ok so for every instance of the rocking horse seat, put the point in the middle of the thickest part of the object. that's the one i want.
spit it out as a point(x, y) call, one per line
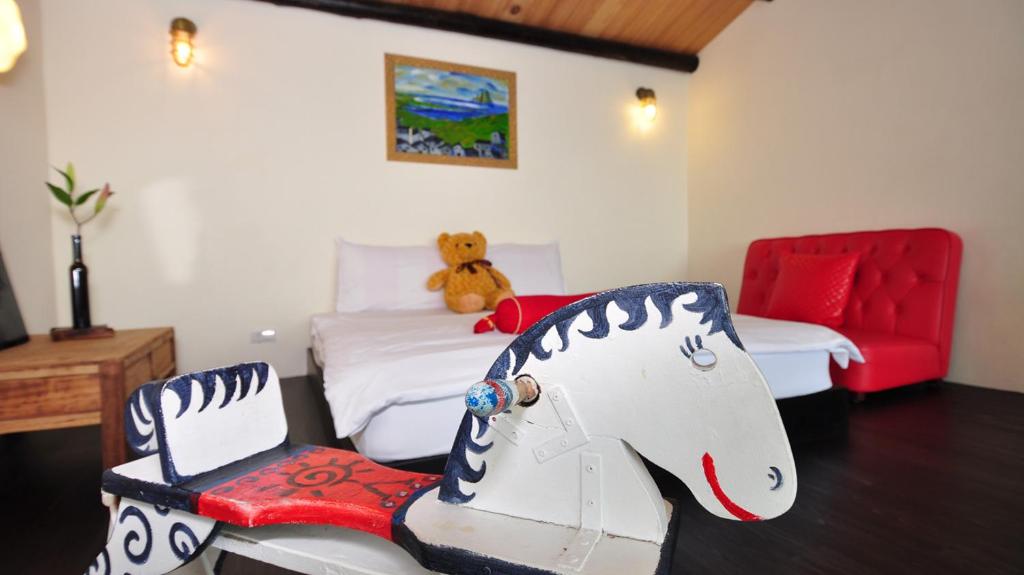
point(300, 484)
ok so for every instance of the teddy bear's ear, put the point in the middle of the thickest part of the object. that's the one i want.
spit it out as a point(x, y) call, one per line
point(442, 239)
point(479, 237)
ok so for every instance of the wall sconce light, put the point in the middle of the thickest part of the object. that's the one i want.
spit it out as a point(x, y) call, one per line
point(648, 103)
point(12, 35)
point(182, 32)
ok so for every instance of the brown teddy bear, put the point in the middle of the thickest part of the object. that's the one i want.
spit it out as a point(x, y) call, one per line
point(470, 282)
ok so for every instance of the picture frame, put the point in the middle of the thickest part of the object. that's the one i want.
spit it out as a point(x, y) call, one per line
point(446, 113)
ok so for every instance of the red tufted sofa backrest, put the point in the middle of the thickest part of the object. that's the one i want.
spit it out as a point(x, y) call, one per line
point(905, 283)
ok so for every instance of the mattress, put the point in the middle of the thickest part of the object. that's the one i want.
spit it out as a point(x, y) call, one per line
point(395, 380)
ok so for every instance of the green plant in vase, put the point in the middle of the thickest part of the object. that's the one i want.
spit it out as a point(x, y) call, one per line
point(76, 204)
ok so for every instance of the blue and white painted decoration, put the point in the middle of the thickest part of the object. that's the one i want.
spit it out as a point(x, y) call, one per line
point(492, 396)
point(550, 485)
point(147, 538)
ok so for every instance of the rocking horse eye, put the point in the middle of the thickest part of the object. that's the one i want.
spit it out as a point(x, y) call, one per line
point(704, 359)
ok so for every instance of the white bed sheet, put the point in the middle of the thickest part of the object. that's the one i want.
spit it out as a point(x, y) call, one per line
point(395, 380)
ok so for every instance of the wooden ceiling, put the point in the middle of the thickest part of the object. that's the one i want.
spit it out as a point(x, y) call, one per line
point(663, 33)
point(674, 25)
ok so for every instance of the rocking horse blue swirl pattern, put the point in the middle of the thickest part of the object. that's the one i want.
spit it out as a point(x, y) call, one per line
point(183, 541)
point(142, 536)
point(151, 539)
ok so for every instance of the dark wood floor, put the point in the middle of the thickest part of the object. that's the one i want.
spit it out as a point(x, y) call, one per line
point(929, 480)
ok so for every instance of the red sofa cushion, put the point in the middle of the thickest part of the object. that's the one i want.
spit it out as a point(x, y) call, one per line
point(905, 285)
point(812, 288)
point(889, 361)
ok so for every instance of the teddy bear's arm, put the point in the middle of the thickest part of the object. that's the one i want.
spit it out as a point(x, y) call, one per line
point(437, 279)
point(500, 279)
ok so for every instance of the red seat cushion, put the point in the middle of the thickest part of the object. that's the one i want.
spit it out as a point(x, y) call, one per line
point(314, 485)
point(812, 288)
point(889, 361)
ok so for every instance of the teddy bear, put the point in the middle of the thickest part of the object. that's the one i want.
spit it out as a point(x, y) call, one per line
point(470, 282)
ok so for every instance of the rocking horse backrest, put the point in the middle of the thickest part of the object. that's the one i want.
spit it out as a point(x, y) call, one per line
point(200, 421)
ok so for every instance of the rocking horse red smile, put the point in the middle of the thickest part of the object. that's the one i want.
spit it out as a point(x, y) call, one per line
point(738, 512)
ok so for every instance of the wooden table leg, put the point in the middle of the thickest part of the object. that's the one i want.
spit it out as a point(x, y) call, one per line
point(112, 397)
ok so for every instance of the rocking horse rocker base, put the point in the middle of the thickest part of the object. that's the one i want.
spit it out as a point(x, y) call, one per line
point(535, 485)
point(493, 543)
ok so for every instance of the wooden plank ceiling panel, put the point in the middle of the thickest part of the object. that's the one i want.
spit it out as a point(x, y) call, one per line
point(674, 25)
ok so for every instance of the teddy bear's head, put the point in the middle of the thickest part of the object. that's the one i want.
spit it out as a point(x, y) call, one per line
point(461, 248)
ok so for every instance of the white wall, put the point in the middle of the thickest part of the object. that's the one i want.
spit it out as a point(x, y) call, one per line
point(24, 201)
point(809, 116)
point(235, 176)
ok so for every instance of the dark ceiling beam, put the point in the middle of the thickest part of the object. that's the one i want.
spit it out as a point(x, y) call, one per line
point(499, 30)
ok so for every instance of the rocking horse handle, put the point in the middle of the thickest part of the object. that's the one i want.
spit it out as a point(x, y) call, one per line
point(493, 396)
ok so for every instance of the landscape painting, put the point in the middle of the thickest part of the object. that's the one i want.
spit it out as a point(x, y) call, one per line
point(444, 113)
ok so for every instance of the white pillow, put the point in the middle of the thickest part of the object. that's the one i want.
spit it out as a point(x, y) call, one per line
point(534, 269)
point(386, 278)
point(395, 278)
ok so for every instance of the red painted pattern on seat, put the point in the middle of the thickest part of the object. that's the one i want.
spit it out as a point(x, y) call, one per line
point(315, 486)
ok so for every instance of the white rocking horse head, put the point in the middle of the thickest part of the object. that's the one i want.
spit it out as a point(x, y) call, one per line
point(660, 368)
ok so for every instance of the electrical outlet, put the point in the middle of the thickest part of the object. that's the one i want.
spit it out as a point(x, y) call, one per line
point(264, 336)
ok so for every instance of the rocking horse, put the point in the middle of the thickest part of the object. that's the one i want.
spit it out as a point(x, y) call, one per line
point(544, 475)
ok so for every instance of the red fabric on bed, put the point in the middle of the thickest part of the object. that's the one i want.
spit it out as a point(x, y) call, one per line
point(813, 288)
point(517, 314)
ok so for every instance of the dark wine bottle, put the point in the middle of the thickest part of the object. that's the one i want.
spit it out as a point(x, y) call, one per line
point(79, 287)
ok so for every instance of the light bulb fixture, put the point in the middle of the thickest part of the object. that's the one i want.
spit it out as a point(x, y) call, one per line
point(182, 32)
point(12, 35)
point(648, 103)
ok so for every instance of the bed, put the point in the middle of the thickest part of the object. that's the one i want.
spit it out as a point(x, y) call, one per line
point(395, 379)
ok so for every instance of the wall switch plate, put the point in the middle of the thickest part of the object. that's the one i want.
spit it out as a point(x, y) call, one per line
point(263, 336)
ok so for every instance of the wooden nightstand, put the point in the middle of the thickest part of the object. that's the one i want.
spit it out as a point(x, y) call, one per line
point(46, 384)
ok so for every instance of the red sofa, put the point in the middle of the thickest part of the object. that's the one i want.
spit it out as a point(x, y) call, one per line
point(901, 310)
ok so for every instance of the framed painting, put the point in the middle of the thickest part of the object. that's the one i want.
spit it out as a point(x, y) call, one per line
point(444, 113)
